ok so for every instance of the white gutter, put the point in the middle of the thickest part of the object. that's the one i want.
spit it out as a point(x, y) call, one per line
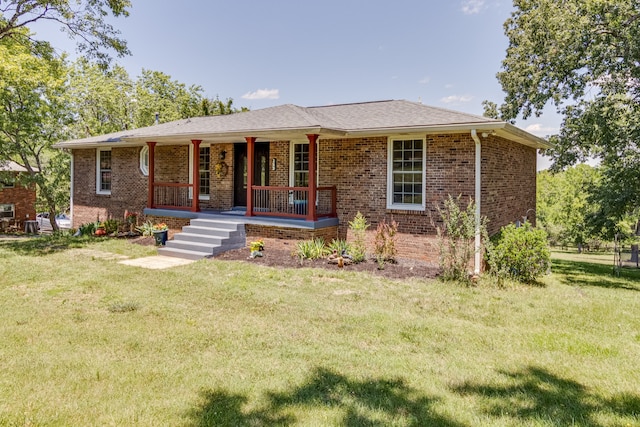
point(478, 173)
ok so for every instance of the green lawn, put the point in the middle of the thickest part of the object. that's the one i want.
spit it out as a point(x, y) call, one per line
point(86, 341)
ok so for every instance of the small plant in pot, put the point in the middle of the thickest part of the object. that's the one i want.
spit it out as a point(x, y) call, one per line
point(160, 233)
point(256, 248)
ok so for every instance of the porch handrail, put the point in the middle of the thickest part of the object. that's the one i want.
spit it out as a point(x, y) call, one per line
point(177, 198)
point(292, 201)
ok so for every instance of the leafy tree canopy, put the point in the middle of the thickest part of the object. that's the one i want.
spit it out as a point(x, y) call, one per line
point(82, 20)
point(33, 116)
point(583, 56)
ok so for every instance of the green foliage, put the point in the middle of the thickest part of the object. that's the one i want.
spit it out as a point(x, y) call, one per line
point(146, 228)
point(581, 56)
point(358, 229)
point(311, 249)
point(456, 238)
point(84, 20)
point(33, 116)
point(339, 246)
point(563, 207)
point(385, 242)
point(520, 253)
point(111, 225)
point(87, 229)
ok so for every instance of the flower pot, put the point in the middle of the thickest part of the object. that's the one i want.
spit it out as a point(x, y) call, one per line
point(161, 237)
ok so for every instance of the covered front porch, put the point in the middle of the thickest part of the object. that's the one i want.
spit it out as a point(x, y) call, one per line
point(308, 203)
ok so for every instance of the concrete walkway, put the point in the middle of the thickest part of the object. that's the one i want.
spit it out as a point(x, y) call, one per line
point(157, 262)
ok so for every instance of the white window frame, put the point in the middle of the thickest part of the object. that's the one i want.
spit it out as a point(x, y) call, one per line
point(200, 196)
point(99, 189)
point(292, 161)
point(405, 206)
point(7, 207)
point(144, 160)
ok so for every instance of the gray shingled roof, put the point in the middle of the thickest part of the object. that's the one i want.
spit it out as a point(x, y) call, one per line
point(11, 166)
point(286, 120)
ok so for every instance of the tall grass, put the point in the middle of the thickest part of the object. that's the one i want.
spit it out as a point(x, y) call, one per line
point(88, 341)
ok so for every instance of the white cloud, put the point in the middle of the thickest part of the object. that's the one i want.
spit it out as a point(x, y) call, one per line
point(540, 130)
point(262, 94)
point(472, 7)
point(424, 80)
point(448, 86)
point(456, 99)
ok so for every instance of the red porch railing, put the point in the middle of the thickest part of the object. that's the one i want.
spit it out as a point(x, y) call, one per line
point(292, 201)
point(171, 195)
point(267, 201)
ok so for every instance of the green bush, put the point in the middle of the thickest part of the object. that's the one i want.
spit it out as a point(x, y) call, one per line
point(339, 246)
point(311, 249)
point(520, 253)
point(359, 229)
point(111, 226)
point(456, 238)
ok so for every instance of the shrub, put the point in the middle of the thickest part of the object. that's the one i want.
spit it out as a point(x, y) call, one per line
point(456, 238)
point(339, 246)
point(311, 249)
point(87, 229)
point(359, 228)
point(520, 253)
point(146, 228)
point(385, 242)
point(111, 226)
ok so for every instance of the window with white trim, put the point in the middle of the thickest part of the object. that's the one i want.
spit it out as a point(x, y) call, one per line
point(300, 164)
point(103, 171)
point(406, 173)
point(205, 170)
point(204, 180)
point(144, 160)
point(7, 211)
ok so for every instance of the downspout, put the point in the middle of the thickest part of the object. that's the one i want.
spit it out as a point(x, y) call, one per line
point(71, 190)
point(478, 180)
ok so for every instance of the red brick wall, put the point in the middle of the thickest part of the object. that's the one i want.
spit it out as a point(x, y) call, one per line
point(508, 182)
point(24, 199)
point(128, 186)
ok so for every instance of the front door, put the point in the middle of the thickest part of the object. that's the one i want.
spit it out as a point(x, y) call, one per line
point(260, 170)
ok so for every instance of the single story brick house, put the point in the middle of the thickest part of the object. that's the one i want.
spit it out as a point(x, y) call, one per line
point(17, 201)
point(299, 172)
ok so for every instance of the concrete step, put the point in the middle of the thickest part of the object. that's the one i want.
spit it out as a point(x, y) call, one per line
point(215, 223)
point(205, 238)
point(199, 238)
point(182, 253)
point(191, 246)
point(209, 231)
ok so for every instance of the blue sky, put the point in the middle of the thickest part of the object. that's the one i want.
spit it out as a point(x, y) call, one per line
point(264, 53)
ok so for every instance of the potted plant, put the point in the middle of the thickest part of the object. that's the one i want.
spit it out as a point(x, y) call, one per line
point(160, 233)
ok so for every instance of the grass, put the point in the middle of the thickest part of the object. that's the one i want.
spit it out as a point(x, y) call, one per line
point(87, 341)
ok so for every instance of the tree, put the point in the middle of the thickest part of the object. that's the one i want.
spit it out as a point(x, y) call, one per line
point(102, 100)
point(33, 116)
point(82, 20)
point(583, 56)
point(563, 205)
point(156, 92)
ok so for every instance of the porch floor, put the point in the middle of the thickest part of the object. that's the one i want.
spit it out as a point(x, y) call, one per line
point(238, 215)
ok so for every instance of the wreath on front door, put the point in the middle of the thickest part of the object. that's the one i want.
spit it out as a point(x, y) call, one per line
point(221, 169)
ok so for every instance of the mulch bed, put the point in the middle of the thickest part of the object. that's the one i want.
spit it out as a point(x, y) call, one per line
point(277, 253)
point(402, 269)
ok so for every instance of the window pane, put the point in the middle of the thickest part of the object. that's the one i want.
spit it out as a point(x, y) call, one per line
point(205, 170)
point(407, 171)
